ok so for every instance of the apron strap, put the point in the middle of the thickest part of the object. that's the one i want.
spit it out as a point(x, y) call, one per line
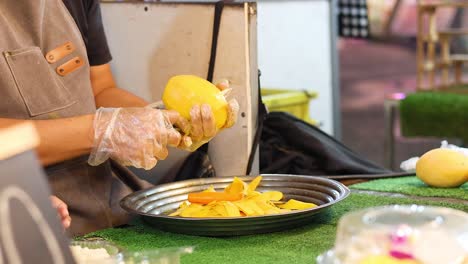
point(219, 6)
point(262, 113)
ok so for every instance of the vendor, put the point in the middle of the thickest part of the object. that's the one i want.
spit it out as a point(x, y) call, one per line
point(54, 70)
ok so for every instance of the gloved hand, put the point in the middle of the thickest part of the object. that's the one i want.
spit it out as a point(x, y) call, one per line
point(136, 137)
point(202, 122)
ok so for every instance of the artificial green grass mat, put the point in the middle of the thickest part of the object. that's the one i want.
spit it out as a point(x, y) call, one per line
point(412, 186)
point(299, 245)
point(435, 114)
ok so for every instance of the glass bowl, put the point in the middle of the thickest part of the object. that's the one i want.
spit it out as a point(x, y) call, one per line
point(400, 234)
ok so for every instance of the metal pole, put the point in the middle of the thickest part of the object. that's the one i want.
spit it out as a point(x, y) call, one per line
point(335, 76)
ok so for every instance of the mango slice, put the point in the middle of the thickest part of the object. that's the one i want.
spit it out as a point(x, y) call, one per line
point(237, 186)
point(272, 196)
point(221, 210)
point(231, 209)
point(296, 205)
point(245, 208)
point(210, 189)
point(268, 208)
point(191, 209)
point(181, 208)
point(253, 184)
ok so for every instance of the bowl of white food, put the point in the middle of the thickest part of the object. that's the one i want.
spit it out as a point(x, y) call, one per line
point(95, 251)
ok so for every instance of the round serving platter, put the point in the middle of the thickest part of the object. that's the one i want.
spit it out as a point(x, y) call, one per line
point(154, 204)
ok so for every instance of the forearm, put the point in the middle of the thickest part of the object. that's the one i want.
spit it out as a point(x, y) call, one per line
point(61, 139)
point(116, 97)
point(106, 93)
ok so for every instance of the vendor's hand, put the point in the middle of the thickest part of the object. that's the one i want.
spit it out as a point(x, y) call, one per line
point(62, 211)
point(202, 122)
point(136, 137)
point(233, 105)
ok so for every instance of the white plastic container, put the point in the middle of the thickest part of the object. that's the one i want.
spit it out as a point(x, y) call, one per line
point(401, 234)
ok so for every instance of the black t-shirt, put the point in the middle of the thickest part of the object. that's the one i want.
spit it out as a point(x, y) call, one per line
point(87, 15)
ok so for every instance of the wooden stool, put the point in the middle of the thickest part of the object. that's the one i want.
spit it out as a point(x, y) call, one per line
point(429, 64)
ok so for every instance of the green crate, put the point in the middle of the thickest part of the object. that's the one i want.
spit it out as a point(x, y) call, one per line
point(293, 102)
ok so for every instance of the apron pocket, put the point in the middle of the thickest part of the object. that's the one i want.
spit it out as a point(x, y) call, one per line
point(37, 83)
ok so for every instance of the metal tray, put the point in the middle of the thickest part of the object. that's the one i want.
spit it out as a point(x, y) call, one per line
point(153, 205)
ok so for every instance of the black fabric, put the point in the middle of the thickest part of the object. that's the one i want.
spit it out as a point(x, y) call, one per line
point(87, 15)
point(197, 165)
point(291, 146)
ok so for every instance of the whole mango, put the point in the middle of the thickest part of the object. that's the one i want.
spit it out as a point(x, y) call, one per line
point(443, 168)
point(182, 92)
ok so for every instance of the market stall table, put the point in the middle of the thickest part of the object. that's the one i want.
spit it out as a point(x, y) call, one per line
point(299, 245)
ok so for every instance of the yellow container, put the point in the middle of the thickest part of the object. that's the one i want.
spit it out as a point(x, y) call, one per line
point(293, 102)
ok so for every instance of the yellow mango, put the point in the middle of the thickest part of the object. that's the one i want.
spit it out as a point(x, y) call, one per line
point(272, 195)
point(443, 168)
point(237, 186)
point(231, 209)
point(253, 184)
point(296, 205)
point(182, 206)
point(221, 210)
point(210, 189)
point(253, 194)
point(244, 207)
point(252, 202)
point(267, 208)
point(253, 205)
point(206, 211)
point(182, 92)
point(201, 213)
point(191, 209)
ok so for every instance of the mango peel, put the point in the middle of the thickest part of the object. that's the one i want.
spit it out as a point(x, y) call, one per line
point(182, 92)
point(252, 202)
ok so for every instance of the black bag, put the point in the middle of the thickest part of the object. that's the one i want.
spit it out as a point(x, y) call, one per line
point(289, 145)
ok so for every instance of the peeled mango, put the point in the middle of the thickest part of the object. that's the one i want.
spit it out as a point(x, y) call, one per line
point(443, 168)
point(182, 92)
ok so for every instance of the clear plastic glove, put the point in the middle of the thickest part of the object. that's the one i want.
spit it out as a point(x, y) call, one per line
point(136, 137)
point(202, 123)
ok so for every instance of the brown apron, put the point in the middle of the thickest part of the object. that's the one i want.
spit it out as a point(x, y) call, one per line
point(44, 74)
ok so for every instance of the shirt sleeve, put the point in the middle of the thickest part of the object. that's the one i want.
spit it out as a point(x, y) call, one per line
point(97, 48)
